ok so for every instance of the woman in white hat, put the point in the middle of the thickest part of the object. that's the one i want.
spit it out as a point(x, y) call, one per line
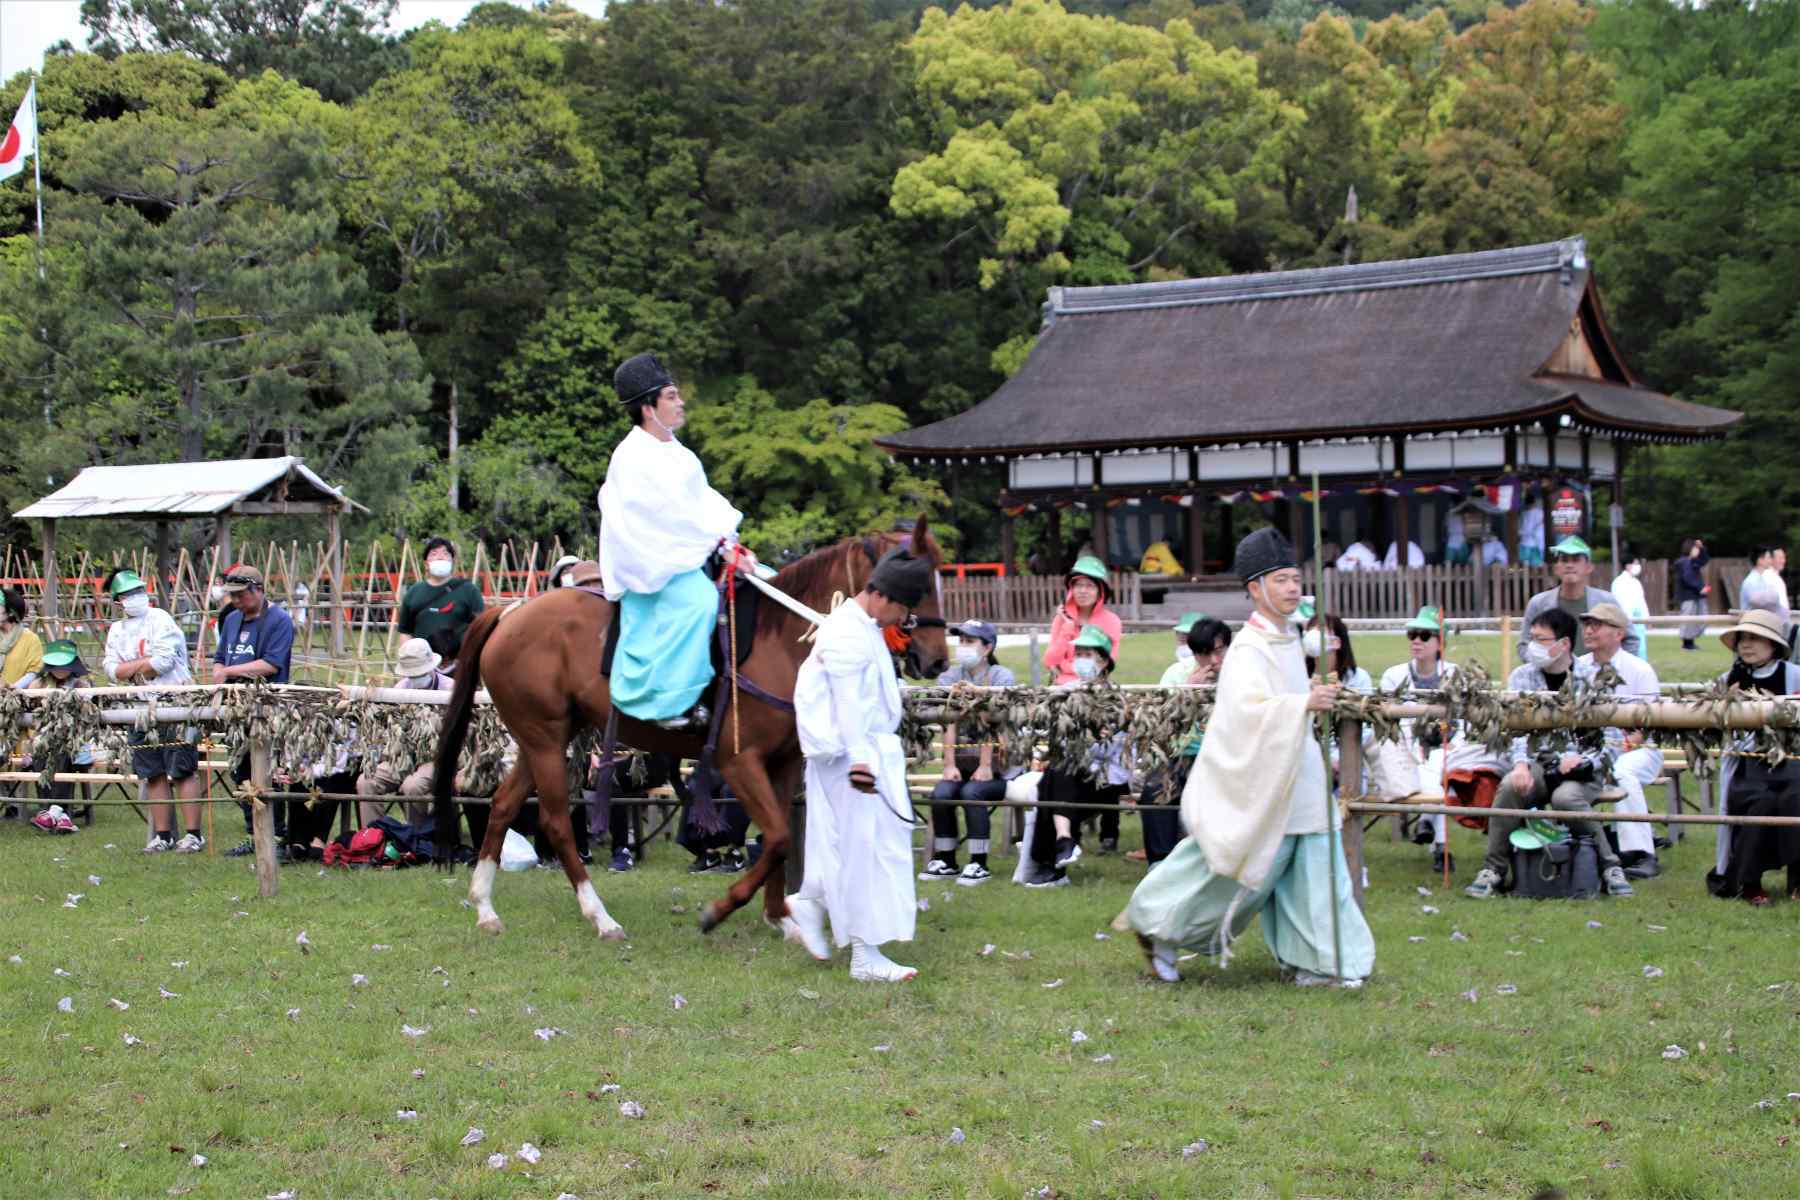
point(1748, 785)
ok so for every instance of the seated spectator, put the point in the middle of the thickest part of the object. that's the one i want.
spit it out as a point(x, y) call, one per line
point(559, 572)
point(1493, 551)
point(309, 821)
point(63, 668)
point(1358, 557)
point(721, 852)
point(415, 669)
point(969, 772)
point(21, 650)
point(1160, 811)
point(1415, 557)
point(1637, 763)
point(1160, 560)
point(1176, 673)
point(1084, 606)
point(1056, 842)
point(1749, 786)
point(1567, 776)
point(1336, 642)
point(1395, 767)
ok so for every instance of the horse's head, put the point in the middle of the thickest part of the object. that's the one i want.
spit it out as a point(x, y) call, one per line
point(927, 651)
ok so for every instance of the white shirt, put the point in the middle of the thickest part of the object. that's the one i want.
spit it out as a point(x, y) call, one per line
point(658, 516)
point(1637, 681)
point(154, 636)
point(1493, 552)
point(847, 694)
point(1358, 557)
point(1531, 526)
point(1415, 557)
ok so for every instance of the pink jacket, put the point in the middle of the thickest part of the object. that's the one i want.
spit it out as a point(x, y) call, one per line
point(1065, 627)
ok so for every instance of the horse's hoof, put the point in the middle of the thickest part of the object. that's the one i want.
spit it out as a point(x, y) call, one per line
point(711, 916)
point(491, 925)
point(615, 934)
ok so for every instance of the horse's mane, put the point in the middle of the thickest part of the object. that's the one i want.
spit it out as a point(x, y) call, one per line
point(802, 576)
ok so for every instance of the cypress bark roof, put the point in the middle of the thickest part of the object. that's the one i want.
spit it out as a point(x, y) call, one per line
point(1464, 341)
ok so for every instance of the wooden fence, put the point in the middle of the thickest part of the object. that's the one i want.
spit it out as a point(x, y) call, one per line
point(1030, 599)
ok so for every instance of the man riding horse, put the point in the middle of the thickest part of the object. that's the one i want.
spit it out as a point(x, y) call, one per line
point(660, 523)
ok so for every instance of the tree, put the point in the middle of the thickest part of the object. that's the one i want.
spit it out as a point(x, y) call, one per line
point(336, 47)
point(198, 307)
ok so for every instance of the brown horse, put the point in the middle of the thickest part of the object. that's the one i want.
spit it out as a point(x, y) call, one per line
point(541, 663)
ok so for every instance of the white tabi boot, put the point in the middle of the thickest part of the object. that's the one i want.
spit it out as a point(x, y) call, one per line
point(805, 927)
point(869, 965)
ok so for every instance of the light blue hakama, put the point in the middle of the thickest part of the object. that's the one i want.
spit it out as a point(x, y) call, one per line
point(1183, 901)
point(664, 659)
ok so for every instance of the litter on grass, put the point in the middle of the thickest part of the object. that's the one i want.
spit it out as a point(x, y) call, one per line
point(632, 1109)
point(473, 1137)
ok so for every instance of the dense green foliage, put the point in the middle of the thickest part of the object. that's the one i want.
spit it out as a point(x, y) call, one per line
point(275, 226)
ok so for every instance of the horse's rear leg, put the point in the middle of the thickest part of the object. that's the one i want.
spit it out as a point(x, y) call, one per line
point(548, 767)
point(749, 782)
point(507, 799)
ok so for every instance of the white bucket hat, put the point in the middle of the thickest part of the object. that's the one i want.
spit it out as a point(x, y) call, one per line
point(1762, 623)
point(416, 658)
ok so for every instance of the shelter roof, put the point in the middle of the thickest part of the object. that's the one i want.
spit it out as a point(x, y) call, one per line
point(1459, 342)
point(191, 489)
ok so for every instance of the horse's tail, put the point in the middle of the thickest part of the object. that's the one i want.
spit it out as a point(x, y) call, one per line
point(453, 732)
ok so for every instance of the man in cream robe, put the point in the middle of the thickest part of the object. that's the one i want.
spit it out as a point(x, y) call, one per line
point(859, 862)
point(1256, 808)
point(659, 523)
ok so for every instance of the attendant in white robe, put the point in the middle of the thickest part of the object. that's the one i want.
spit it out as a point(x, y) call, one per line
point(859, 864)
point(1257, 809)
point(659, 523)
point(1628, 590)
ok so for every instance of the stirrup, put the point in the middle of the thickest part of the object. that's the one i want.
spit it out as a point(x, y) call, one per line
point(698, 717)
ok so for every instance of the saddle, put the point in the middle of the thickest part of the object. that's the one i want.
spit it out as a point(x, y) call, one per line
point(748, 602)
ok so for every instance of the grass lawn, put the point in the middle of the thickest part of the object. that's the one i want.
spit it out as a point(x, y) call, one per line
point(780, 1078)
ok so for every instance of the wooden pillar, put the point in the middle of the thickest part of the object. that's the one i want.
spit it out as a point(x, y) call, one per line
point(1196, 534)
point(1054, 539)
point(1098, 536)
point(262, 822)
point(51, 582)
point(1512, 511)
point(165, 589)
point(339, 596)
point(1620, 537)
point(1006, 544)
point(1295, 538)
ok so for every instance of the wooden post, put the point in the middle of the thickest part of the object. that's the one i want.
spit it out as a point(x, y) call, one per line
point(1506, 645)
point(1006, 545)
point(1350, 772)
point(399, 595)
point(50, 580)
point(262, 822)
point(335, 551)
point(165, 586)
point(223, 540)
point(1098, 535)
point(1196, 535)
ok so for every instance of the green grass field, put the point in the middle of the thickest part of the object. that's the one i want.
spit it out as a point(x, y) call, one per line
point(780, 1078)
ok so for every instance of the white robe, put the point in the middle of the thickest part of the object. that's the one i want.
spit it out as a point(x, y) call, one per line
point(859, 860)
point(658, 516)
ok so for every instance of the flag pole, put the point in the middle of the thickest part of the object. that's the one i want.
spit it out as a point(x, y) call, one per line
point(1326, 729)
point(37, 174)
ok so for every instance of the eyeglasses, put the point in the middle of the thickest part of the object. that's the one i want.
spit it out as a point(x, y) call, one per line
point(1420, 635)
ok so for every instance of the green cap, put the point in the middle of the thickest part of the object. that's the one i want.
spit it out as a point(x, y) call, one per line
point(1535, 834)
point(1572, 545)
point(1188, 621)
point(1090, 566)
point(1307, 611)
point(1429, 618)
point(125, 581)
point(61, 654)
point(1094, 638)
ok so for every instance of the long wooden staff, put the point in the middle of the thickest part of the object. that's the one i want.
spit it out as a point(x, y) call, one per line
point(1325, 729)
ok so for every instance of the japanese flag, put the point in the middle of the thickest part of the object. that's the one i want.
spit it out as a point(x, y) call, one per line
point(21, 136)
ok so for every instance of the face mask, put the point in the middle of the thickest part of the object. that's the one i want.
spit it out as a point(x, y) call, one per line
point(1539, 655)
point(968, 656)
point(1087, 668)
point(439, 568)
point(1310, 642)
point(567, 580)
point(419, 682)
point(218, 592)
point(1183, 654)
point(1636, 568)
point(135, 606)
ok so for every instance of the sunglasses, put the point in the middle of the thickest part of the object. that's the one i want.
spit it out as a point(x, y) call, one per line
point(1420, 635)
point(242, 581)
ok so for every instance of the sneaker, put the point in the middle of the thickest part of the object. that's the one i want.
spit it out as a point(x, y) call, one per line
point(63, 824)
point(939, 868)
point(1487, 883)
point(243, 849)
point(708, 861)
point(11, 813)
point(1109, 845)
point(1423, 833)
point(1615, 881)
point(1067, 851)
point(158, 843)
point(732, 862)
point(1056, 878)
point(974, 874)
point(622, 860)
point(1437, 861)
point(190, 843)
point(1644, 868)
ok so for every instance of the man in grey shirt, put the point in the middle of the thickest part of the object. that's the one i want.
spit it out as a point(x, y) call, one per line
point(1573, 563)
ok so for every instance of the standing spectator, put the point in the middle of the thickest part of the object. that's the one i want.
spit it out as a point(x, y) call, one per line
point(302, 594)
point(441, 607)
point(1628, 588)
point(1763, 587)
point(968, 770)
point(1691, 588)
point(63, 668)
point(20, 647)
point(1573, 563)
point(1749, 784)
point(1083, 606)
point(1569, 777)
point(1636, 763)
point(256, 642)
point(1531, 532)
point(146, 647)
point(1176, 673)
point(416, 668)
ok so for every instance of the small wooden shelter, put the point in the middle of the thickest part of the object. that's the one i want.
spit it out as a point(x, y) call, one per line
point(167, 493)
